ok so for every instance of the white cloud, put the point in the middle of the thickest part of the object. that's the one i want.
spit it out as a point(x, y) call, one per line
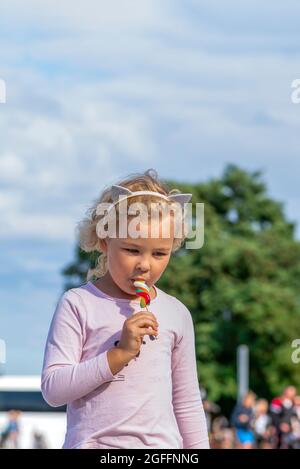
point(85, 15)
point(53, 162)
point(12, 168)
point(19, 226)
point(104, 90)
point(37, 265)
point(10, 201)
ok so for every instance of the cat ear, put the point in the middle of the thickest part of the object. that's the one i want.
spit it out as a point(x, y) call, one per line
point(181, 198)
point(116, 191)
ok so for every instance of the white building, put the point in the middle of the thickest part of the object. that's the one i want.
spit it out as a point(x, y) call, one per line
point(38, 422)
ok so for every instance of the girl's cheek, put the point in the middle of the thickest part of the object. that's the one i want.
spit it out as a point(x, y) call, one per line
point(124, 260)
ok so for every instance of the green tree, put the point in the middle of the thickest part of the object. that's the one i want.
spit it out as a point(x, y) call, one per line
point(242, 286)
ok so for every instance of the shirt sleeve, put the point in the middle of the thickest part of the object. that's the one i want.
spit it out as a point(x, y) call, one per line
point(187, 402)
point(64, 377)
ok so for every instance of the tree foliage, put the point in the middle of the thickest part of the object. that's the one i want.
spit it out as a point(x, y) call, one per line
point(242, 286)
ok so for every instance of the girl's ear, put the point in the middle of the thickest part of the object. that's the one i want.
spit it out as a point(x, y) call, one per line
point(103, 245)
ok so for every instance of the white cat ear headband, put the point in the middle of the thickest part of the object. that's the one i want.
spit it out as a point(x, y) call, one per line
point(120, 193)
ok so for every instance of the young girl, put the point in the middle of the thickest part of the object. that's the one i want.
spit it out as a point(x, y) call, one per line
point(128, 375)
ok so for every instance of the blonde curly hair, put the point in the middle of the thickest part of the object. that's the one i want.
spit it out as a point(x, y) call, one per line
point(86, 229)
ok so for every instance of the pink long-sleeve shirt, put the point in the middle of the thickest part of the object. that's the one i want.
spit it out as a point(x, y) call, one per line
point(153, 402)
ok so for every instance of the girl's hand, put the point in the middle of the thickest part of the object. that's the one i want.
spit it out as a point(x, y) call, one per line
point(134, 329)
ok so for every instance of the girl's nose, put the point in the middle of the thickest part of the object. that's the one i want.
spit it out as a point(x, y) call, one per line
point(143, 265)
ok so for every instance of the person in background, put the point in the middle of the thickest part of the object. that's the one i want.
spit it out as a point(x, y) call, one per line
point(297, 407)
point(242, 420)
point(269, 440)
point(38, 440)
point(261, 421)
point(10, 436)
point(293, 439)
point(282, 410)
point(221, 435)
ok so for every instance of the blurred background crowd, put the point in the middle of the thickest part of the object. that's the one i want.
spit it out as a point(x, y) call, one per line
point(254, 423)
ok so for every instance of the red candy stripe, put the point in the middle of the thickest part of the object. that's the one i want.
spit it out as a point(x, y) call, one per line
point(145, 296)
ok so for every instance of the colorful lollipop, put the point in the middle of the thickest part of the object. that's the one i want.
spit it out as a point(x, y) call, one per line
point(143, 291)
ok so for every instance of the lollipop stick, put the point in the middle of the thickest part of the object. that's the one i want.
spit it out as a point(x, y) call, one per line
point(143, 291)
point(153, 337)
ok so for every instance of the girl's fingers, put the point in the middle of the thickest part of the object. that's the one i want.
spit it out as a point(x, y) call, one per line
point(140, 321)
point(146, 323)
point(142, 314)
point(149, 331)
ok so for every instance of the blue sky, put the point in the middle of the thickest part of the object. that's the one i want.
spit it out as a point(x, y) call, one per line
point(97, 90)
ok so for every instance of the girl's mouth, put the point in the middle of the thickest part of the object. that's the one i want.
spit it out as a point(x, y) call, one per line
point(138, 279)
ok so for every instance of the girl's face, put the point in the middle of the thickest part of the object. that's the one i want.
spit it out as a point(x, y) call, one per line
point(144, 257)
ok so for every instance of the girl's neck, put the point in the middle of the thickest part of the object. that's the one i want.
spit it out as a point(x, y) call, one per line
point(110, 288)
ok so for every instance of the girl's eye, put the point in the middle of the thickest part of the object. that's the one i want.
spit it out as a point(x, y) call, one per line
point(135, 251)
